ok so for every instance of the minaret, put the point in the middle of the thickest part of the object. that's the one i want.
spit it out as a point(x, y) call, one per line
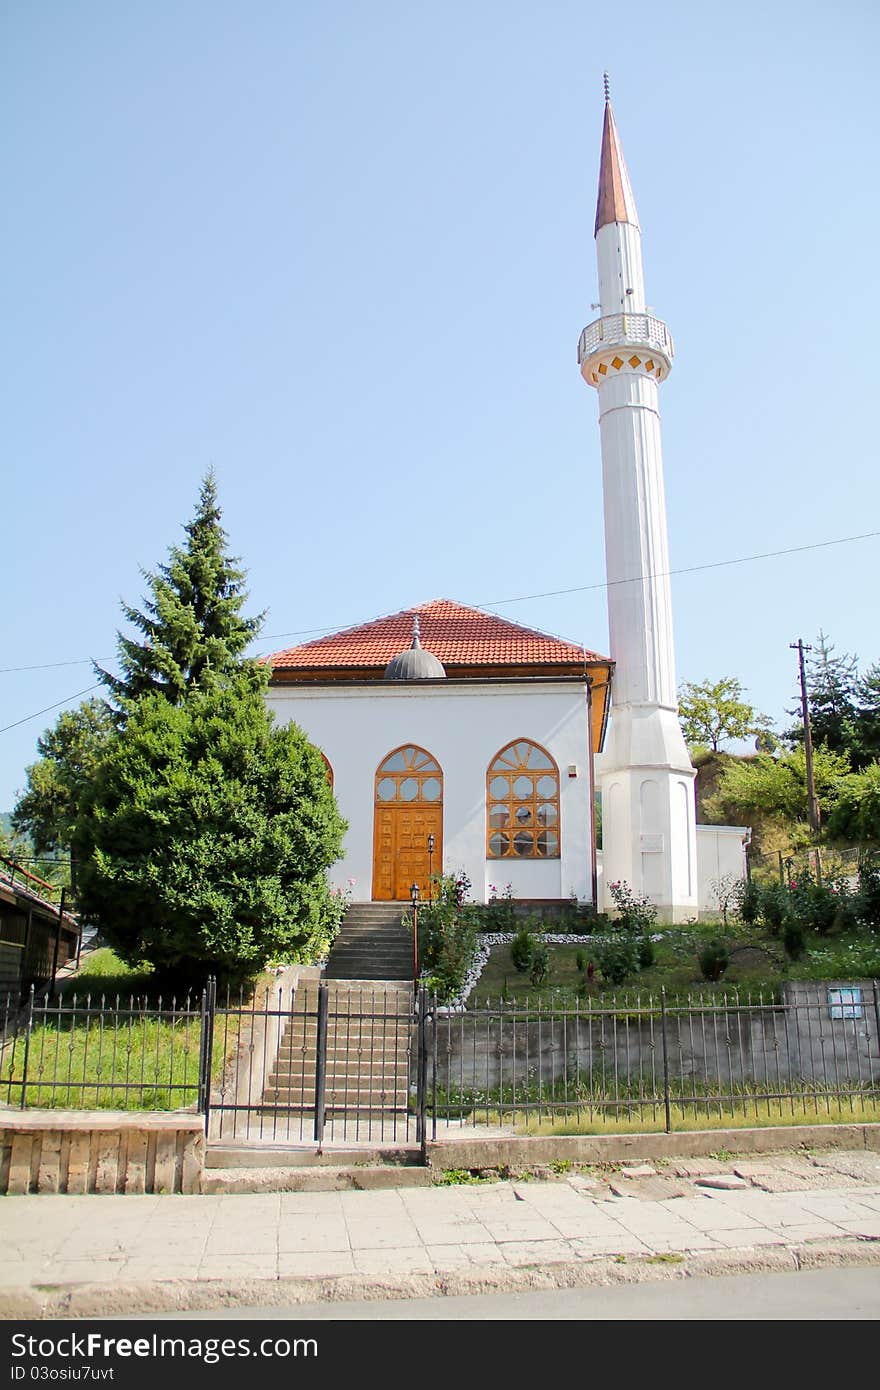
point(647, 781)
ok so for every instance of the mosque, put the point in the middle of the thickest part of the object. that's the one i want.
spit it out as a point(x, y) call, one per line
point(461, 742)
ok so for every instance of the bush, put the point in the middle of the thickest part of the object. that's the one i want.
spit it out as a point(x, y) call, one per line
point(580, 961)
point(793, 939)
point(522, 949)
point(448, 935)
point(635, 912)
point(750, 903)
point(868, 897)
point(814, 905)
point(500, 913)
point(714, 959)
point(617, 959)
point(646, 953)
point(775, 904)
point(540, 963)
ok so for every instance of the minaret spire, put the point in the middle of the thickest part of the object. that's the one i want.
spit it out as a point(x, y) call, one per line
point(645, 772)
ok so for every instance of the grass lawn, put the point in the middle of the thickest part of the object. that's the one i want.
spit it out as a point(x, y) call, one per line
point(107, 1047)
point(758, 965)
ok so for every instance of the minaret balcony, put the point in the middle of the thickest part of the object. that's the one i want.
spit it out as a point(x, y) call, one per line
point(619, 335)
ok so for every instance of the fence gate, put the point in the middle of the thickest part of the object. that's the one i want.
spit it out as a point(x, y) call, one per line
point(325, 1061)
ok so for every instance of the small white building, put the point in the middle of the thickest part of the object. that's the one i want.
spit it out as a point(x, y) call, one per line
point(467, 747)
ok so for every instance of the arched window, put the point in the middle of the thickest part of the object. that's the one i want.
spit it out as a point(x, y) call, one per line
point(409, 775)
point(522, 803)
point(328, 770)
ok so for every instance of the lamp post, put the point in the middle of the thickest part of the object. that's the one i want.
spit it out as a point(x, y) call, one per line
point(430, 868)
point(414, 898)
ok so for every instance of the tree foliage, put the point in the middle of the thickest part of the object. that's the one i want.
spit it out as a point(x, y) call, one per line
point(856, 815)
point(777, 786)
point(192, 620)
point(713, 711)
point(208, 833)
point(844, 705)
point(69, 754)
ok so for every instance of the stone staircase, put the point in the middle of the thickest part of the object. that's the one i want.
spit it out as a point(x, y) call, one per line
point(369, 1042)
point(372, 944)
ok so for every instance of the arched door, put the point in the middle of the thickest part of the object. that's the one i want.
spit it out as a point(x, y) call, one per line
point(408, 809)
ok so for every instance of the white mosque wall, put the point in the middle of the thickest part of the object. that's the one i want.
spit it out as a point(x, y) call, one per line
point(463, 726)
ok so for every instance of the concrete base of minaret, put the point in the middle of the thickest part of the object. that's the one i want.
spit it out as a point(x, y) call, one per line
point(648, 812)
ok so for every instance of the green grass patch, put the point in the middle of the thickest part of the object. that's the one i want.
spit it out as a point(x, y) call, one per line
point(757, 971)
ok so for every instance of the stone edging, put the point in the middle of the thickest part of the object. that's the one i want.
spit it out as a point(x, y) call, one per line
point(120, 1299)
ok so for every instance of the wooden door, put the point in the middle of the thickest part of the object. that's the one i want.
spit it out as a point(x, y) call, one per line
point(408, 808)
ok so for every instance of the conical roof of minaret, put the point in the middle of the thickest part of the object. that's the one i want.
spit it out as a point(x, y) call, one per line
point(616, 202)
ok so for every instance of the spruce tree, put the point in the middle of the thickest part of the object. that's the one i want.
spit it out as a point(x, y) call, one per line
point(192, 619)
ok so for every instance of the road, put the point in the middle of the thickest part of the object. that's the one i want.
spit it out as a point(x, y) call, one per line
point(832, 1295)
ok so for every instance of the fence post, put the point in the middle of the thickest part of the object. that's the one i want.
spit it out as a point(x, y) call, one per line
point(321, 1061)
point(206, 1052)
point(781, 868)
point(665, 1060)
point(27, 1047)
point(422, 1073)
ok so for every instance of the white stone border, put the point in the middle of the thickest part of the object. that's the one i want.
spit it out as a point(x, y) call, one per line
point(503, 938)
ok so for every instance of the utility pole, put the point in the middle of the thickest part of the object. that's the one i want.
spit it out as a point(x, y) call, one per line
point(812, 803)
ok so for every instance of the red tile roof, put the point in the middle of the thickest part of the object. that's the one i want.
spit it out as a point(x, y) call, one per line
point(456, 634)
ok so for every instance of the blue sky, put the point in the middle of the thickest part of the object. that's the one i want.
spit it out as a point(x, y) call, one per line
point(343, 253)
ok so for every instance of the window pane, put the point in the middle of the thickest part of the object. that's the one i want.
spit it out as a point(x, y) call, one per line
point(548, 843)
point(523, 815)
point(395, 763)
point(498, 844)
point(506, 759)
point(386, 789)
point(499, 815)
point(547, 814)
point(499, 788)
point(523, 788)
point(409, 789)
point(547, 786)
point(536, 758)
point(431, 789)
point(523, 843)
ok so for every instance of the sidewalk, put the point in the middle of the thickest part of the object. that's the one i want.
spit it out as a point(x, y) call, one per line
point(115, 1254)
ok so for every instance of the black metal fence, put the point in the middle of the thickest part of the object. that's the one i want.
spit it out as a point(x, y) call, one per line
point(314, 1063)
point(347, 1064)
point(88, 1052)
point(649, 1064)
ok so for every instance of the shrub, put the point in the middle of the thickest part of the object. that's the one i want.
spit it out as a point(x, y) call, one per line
point(500, 912)
point(774, 906)
point(714, 959)
point(635, 912)
point(580, 961)
point(540, 963)
point(448, 935)
point(522, 949)
point(617, 959)
point(793, 938)
point(646, 952)
point(868, 897)
point(814, 905)
point(750, 898)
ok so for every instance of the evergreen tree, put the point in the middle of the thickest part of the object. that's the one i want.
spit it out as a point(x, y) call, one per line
point(832, 691)
point(208, 834)
point(192, 620)
point(869, 716)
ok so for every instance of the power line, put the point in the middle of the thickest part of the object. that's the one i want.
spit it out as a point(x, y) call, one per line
point(37, 712)
point(520, 598)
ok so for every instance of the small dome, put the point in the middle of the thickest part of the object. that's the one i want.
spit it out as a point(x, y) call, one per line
point(415, 664)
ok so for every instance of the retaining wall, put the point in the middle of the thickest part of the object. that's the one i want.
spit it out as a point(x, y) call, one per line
point(100, 1151)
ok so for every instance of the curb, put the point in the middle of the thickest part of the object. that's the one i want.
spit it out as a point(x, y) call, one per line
point(179, 1296)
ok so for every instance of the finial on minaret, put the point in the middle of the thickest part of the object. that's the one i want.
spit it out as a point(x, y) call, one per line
point(615, 202)
point(607, 81)
point(416, 631)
